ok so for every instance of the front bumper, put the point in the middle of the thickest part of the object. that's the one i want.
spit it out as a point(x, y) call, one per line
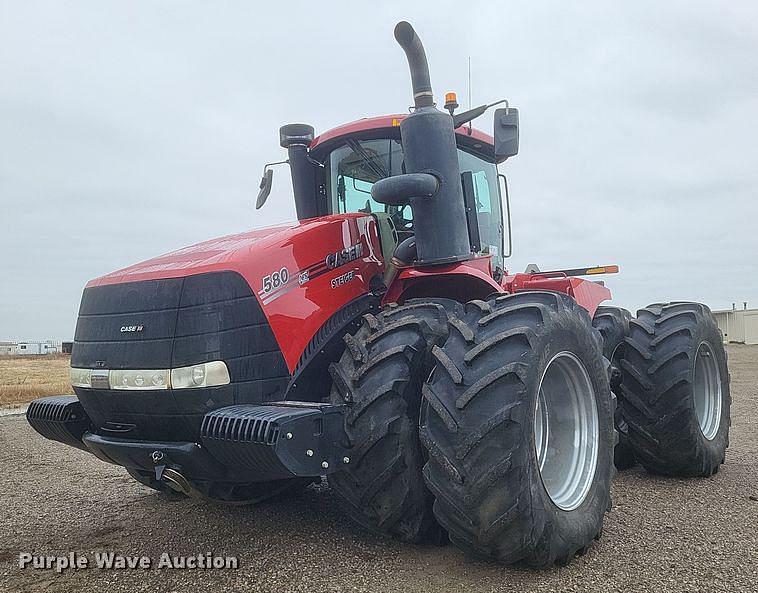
point(242, 443)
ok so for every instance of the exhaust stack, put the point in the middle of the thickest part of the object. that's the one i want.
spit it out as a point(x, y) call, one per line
point(414, 51)
point(431, 161)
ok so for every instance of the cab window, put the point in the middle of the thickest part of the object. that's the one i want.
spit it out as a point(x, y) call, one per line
point(355, 166)
point(487, 198)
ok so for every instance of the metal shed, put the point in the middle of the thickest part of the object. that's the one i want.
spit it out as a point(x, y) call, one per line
point(7, 348)
point(738, 325)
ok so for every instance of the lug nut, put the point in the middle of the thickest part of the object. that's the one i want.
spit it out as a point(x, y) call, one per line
point(309, 452)
point(345, 460)
point(324, 464)
point(289, 435)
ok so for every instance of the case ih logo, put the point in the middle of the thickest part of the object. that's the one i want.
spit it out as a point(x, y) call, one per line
point(128, 329)
point(335, 260)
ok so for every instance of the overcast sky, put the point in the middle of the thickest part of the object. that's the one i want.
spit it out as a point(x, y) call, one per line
point(129, 129)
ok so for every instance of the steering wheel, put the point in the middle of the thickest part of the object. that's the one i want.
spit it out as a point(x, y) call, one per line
point(399, 220)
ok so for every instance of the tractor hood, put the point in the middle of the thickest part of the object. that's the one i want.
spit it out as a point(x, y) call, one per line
point(223, 253)
point(299, 274)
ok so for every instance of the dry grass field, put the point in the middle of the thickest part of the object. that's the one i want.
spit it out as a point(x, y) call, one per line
point(24, 378)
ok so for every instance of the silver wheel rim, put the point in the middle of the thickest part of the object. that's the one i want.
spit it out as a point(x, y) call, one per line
point(566, 431)
point(616, 355)
point(707, 391)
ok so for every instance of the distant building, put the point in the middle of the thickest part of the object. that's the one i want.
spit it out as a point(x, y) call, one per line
point(30, 348)
point(7, 348)
point(738, 325)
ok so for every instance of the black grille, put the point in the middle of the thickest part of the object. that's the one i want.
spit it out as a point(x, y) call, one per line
point(184, 321)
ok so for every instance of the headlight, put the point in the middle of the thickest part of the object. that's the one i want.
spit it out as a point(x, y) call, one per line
point(148, 379)
point(209, 374)
point(80, 377)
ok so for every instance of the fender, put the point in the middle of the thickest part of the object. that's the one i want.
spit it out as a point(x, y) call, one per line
point(463, 281)
point(587, 293)
point(472, 279)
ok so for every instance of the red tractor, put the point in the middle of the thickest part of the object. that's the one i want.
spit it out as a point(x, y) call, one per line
point(379, 341)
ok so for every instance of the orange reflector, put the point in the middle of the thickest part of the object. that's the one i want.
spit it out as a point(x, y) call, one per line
point(603, 270)
point(395, 122)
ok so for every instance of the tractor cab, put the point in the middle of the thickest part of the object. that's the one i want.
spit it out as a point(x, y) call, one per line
point(335, 172)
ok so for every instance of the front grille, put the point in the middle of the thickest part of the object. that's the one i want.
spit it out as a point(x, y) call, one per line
point(182, 321)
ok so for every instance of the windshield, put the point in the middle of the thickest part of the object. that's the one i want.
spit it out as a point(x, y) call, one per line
point(354, 167)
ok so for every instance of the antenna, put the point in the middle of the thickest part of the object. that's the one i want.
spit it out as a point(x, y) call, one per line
point(469, 82)
point(469, 92)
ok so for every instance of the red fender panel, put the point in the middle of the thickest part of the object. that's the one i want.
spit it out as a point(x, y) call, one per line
point(587, 293)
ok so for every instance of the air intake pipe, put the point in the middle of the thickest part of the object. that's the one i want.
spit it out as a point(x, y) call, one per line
point(431, 162)
point(296, 138)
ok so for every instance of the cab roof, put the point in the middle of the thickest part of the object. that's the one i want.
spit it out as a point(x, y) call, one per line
point(476, 140)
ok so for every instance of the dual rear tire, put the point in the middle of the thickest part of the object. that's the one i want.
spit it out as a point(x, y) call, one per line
point(613, 325)
point(675, 390)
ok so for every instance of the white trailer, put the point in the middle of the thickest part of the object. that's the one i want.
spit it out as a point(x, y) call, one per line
point(33, 348)
point(29, 348)
point(8, 348)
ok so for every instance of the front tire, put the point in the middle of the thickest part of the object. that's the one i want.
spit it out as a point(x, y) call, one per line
point(676, 390)
point(519, 376)
point(379, 377)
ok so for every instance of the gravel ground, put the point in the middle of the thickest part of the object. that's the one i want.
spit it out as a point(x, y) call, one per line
point(663, 534)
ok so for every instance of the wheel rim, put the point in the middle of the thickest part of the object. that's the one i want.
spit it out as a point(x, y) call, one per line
point(618, 352)
point(566, 431)
point(707, 391)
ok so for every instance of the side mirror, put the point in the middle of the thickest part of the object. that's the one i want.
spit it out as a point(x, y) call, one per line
point(266, 182)
point(506, 133)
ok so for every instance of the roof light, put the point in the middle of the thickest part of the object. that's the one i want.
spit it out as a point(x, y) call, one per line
point(603, 270)
point(451, 102)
